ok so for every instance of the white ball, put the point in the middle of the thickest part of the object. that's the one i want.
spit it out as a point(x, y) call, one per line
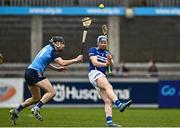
point(129, 12)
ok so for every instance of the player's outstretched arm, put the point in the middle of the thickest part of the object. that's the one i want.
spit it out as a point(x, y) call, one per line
point(62, 62)
point(57, 68)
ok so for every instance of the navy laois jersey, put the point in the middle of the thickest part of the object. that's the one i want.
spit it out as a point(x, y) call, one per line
point(101, 57)
point(45, 56)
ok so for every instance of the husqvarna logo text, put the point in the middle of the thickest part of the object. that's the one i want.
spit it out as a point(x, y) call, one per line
point(72, 92)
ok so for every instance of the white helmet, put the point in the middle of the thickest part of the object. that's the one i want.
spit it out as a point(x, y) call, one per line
point(101, 38)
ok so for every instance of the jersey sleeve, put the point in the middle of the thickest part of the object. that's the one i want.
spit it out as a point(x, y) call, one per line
point(92, 52)
point(54, 55)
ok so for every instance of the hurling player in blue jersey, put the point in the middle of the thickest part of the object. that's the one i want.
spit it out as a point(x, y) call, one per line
point(100, 59)
point(36, 80)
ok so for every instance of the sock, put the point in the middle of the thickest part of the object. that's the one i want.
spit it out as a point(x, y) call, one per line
point(118, 103)
point(109, 119)
point(39, 104)
point(19, 108)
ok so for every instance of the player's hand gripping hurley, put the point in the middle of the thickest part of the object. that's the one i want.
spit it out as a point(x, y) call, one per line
point(86, 23)
point(105, 32)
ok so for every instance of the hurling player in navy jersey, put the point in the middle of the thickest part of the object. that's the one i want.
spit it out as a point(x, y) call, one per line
point(34, 76)
point(100, 59)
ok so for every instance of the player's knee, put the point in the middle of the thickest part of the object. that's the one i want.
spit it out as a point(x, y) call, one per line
point(109, 87)
point(53, 93)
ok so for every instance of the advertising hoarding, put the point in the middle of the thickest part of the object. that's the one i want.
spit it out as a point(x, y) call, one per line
point(11, 92)
point(83, 93)
point(169, 94)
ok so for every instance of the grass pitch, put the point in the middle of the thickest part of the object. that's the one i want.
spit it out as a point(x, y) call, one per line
point(94, 117)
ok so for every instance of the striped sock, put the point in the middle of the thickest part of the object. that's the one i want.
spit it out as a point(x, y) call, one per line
point(39, 104)
point(118, 103)
point(19, 108)
point(109, 119)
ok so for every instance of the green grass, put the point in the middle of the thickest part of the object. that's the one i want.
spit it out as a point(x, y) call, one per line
point(94, 117)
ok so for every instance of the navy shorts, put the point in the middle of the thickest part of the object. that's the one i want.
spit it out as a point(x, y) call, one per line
point(33, 76)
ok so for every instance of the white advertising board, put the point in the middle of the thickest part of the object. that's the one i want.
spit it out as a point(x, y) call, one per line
point(11, 92)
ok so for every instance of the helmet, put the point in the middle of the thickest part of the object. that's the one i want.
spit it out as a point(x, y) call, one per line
point(101, 38)
point(57, 38)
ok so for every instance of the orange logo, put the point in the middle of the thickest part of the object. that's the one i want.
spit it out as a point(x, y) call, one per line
point(6, 92)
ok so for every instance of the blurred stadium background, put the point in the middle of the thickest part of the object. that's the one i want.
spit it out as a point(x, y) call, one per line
point(139, 31)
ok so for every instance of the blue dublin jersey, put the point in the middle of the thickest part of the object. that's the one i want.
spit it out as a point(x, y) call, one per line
point(45, 56)
point(101, 57)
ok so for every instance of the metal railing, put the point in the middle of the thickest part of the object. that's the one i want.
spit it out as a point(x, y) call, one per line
point(137, 70)
point(82, 3)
